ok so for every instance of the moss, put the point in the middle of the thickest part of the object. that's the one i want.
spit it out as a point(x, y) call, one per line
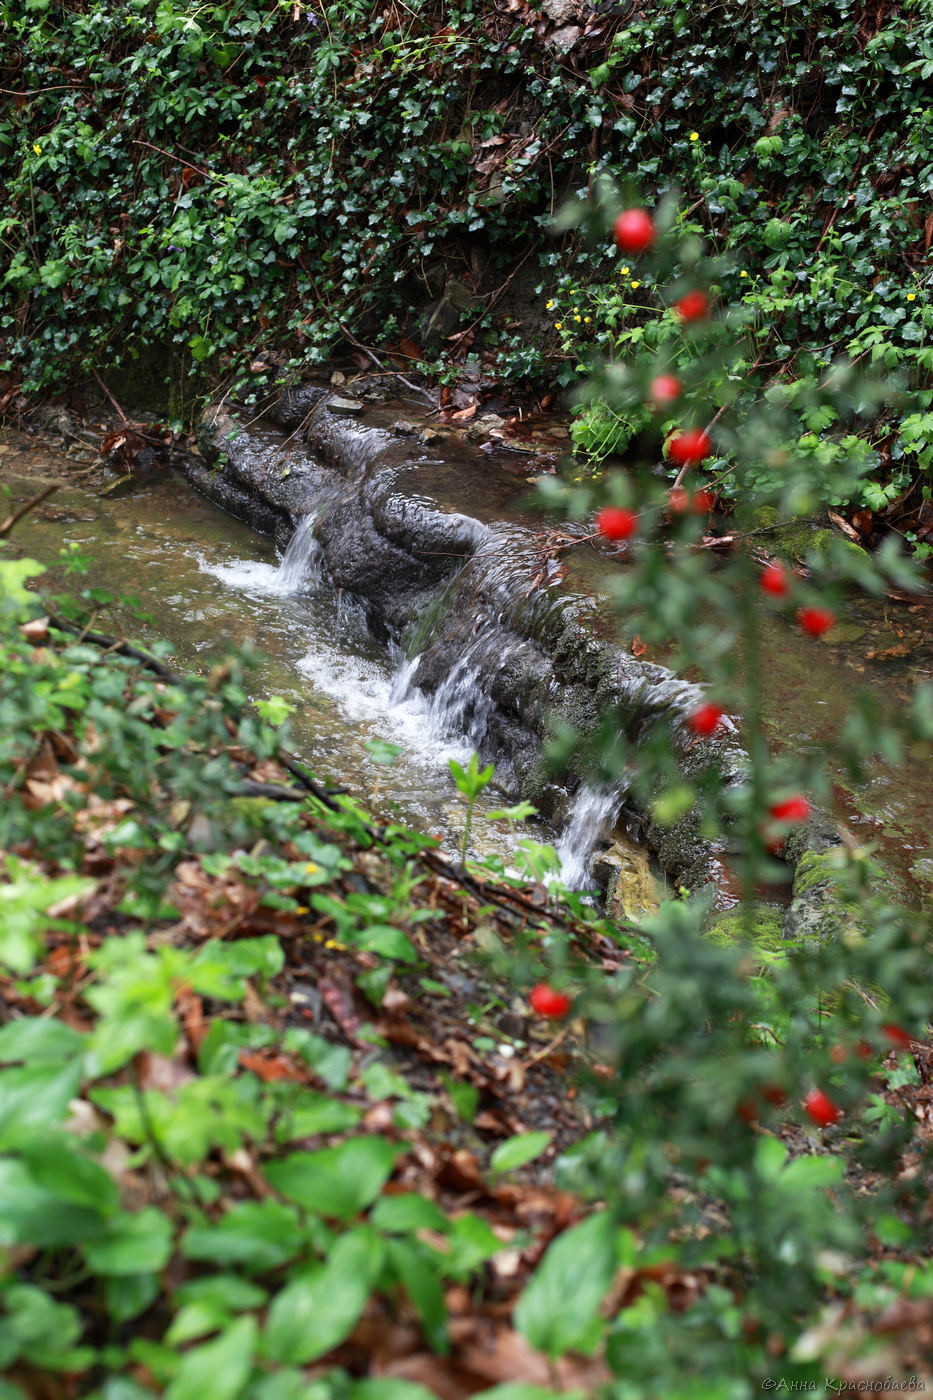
point(816, 868)
point(766, 930)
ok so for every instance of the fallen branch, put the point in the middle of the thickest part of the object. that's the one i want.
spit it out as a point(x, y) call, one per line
point(11, 520)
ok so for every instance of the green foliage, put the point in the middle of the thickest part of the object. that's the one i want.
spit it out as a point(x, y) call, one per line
point(709, 1050)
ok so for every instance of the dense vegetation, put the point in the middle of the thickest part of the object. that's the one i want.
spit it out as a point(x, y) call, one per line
point(248, 1114)
point(229, 178)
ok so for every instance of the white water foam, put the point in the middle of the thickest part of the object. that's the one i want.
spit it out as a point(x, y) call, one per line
point(298, 570)
point(591, 811)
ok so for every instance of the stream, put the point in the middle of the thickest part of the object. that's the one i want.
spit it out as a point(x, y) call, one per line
point(210, 583)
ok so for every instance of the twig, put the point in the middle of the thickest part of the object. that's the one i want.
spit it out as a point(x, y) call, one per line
point(415, 388)
point(123, 417)
point(145, 658)
point(11, 520)
point(180, 159)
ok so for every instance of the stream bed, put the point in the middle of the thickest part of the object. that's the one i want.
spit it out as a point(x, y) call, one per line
point(210, 583)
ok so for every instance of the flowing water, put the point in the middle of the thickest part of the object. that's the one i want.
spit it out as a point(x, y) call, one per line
point(208, 584)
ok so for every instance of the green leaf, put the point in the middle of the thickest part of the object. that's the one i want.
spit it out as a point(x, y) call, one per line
point(314, 1314)
point(62, 1169)
point(558, 1309)
point(31, 1215)
point(402, 1215)
point(34, 1098)
point(519, 1150)
point(131, 1243)
point(424, 1288)
point(388, 1388)
point(33, 1038)
point(336, 1181)
point(219, 1369)
point(256, 1235)
point(387, 941)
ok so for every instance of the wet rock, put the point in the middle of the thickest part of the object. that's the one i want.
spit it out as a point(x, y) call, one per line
point(632, 889)
point(338, 405)
point(561, 11)
point(434, 552)
point(566, 37)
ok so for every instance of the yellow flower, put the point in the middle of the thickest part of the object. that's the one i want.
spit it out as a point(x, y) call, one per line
point(549, 306)
point(576, 308)
point(587, 320)
point(743, 273)
point(911, 296)
point(558, 325)
point(624, 271)
point(578, 318)
point(311, 868)
point(37, 148)
point(694, 136)
point(635, 286)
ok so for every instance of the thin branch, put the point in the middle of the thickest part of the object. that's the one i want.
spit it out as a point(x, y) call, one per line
point(11, 520)
point(208, 175)
point(123, 417)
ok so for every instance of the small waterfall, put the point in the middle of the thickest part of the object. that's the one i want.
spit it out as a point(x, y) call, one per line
point(401, 686)
point(301, 563)
point(591, 810)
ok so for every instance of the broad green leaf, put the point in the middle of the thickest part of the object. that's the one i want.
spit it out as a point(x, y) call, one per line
point(387, 941)
point(336, 1181)
point(402, 1215)
point(62, 1169)
point(314, 1314)
point(519, 1150)
point(33, 1038)
point(219, 1369)
point(34, 1098)
point(388, 1388)
point(424, 1288)
point(256, 1235)
point(558, 1308)
point(31, 1215)
point(131, 1243)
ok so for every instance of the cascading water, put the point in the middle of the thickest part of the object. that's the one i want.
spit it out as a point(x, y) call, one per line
point(591, 812)
point(302, 561)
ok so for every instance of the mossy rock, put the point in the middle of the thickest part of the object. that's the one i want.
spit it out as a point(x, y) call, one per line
point(795, 539)
point(767, 929)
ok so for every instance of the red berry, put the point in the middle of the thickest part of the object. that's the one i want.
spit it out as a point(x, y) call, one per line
point(616, 523)
point(702, 502)
point(821, 1109)
point(773, 580)
point(746, 1110)
point(694, 306)
point(664, 388)
point(689, 447)
point(773, 1094)
point(794, 809)
point(705, 719)
point(547, 1002)
point(816, 621)
point(678, 500)
point(897, 1036)
point(864, 1050)
point(633, 231)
